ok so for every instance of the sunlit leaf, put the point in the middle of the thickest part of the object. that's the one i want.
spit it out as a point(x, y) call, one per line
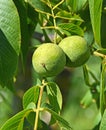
point(16, 122)
point(10, 23)
point(70, 29)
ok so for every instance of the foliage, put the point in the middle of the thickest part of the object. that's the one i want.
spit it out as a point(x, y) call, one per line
point(57, 19)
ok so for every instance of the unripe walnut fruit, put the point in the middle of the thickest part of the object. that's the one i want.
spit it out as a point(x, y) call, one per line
point(76, 50)
point(48, 60)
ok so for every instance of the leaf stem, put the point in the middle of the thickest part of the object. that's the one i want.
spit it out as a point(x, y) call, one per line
point(47, 27)
point(38, 105)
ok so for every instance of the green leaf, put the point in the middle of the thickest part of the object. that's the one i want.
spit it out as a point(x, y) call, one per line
point(31, 105)
point(43, 126)
point(31, 118)
point(44, 99)
point(54, 95)
point(16, 122)
point(88, 35)
point(21, 7)
point(32, 19)
point(31, 96)
point(8, 60)
point(28, 22)
point(76, 5)
point(95, 7)
point(71, 29)
point(103, 122)
point(40, 6)
point(63, 14)
point(10, 24)
point(63, 123)
point(10, 39)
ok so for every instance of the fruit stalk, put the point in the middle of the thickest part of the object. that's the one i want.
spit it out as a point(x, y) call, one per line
point(38, 105)
point(99, 54)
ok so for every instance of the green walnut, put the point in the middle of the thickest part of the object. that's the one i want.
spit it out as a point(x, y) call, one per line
point(76, 50)
point(48, 60)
